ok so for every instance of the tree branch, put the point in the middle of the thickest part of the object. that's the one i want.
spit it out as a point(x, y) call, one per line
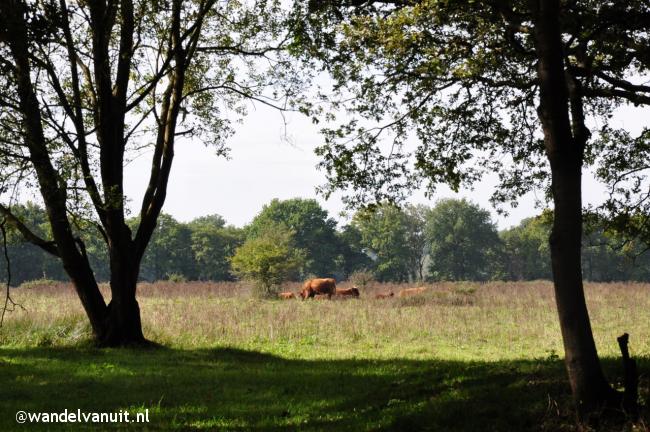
point(29, 235)
point(82, 153)
point(630, 96)
point(8, 298)
point(126, 51)
point(623, 84)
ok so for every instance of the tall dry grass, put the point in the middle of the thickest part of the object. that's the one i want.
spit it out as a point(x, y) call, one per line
point(463, 320)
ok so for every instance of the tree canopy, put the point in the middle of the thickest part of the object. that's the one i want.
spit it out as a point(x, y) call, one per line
point(526, 249)
point(213, 244)
point(202, 249)
point(464, 243)
point(445, 92)
point(505, 87)
point(394, 240)
point(89, 85)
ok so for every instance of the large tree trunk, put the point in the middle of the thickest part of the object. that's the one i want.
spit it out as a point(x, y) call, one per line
point(564, 148)
point(591, 390)
point(86, 287)
point(123, 324)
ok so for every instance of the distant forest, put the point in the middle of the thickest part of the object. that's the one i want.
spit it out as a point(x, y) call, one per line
point(453, 240)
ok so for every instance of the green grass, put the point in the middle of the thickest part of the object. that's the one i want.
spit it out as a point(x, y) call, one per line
point(243, 390)
point(464, 357)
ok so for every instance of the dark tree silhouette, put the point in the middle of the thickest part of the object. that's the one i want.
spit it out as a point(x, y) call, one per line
point(87, 84)
point(489, 86)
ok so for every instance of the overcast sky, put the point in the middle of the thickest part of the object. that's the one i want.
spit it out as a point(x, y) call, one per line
point(263, 166)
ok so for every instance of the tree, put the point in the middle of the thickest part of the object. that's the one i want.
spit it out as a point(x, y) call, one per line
point(526, 248)
point(607, 255)
point(387, 235)
point(169, 251)
point(313, 230)
point(463, 241)
point(213, 244)
point(611, 254)
point(86, 85)
point(269, 258)
point(213, 221)
point(352, 257)
point(416, 217)
point(490, 86)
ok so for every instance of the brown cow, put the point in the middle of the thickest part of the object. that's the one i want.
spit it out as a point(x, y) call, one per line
point(286, 295)
point(348, 292)
point(325, 286)
point(385, 295)
point(406, 292)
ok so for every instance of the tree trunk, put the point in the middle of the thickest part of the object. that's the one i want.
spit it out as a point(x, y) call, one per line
point(564, 148)
point(86, 287)
point(123, 324)
point(591, 390)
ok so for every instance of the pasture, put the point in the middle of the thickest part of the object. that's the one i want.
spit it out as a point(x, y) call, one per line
point(459, 357)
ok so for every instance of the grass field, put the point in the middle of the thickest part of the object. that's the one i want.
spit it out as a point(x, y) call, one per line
point(461, 357)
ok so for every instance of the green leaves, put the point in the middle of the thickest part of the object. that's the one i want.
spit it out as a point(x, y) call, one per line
point(445, 92)
point(394, 239)
point(623, 165)
point(527, 249)
point(212, 246)
point(313, 231)
point(268, 259)
point(463, 241)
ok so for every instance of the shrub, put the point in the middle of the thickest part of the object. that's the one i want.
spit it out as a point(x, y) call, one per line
point(268, 260)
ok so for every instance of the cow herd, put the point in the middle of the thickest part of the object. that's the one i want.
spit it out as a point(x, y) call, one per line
point(325, 289)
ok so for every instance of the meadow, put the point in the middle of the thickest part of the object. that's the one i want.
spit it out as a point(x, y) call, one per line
point(460, 357)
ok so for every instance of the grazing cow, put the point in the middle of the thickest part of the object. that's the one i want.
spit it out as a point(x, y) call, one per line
point(385, 295)
point(407, 292)
point(348, 292)
point(286, 295)
point(325, 286)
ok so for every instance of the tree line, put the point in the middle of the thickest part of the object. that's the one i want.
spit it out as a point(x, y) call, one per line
point(296, 238)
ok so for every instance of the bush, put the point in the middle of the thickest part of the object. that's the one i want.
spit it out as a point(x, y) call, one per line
point(268, 260)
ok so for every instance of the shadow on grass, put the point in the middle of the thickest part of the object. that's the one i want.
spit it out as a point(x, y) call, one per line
point(231, 389)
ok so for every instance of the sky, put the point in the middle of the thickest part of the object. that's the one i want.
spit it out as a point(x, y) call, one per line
point(267, 161)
